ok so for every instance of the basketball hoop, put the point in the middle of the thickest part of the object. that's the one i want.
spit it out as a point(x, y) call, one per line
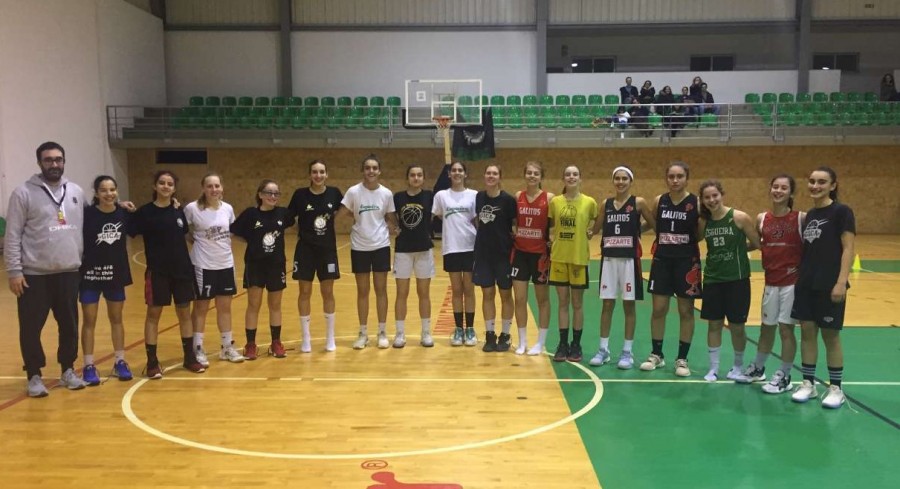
point(442, 122)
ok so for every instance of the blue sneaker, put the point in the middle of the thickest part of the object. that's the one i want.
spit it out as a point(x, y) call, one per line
point(121, 370)
point(471, 339)
point(89, 374)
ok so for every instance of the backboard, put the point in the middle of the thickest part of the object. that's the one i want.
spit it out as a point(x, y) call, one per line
point(425, 100)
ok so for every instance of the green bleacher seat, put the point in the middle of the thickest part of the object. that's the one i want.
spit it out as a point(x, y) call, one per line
point(279, 101)
point(611, 100)
point(562, 100)
point(514, 117)
point(751, 98)
point(264, 123)
point(880, 118)
point(376, 101)
point(870, 97)
point(465, 100)
point(595, 99)
point(370, 122)
point(767, 120)
point(245, 101)
point(229, 122)
point(229, 101)
point(513, 100)
point(361, 101)
point(861, 119)
point(497, 100)
point(291, 112)
point(854, 97)
point(825, 119)
point(294, 101)
point(844, 119)
point(316, 122)
point(298, 122)
point(529, 100)
point(709, 120)
point(195, 101)
point(209, 111)
point(803, 97)
point(545, 100)
point(242, 111)
point(329, 102)
point(579, 100)
point(311, 101)
point(532, 121)
point(820, 97)
point(212, 101)
point(769, 98)
point(344, 101)
point(837, 97)
point(808, 119)
point(568, 121)
point(785, 97)
point(247, 122)
point(789, 119)
point(281, 122)
point(261, 101)
point(655, 120)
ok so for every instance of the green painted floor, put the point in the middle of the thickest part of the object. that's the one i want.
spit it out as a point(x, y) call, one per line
point(672, 433)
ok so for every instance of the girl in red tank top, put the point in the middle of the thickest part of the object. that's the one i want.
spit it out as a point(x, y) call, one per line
point(530, 258)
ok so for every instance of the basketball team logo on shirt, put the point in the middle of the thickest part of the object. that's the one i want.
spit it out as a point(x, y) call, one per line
point(411, 215)
point(319, 223)
point(110, 233)
point(814, 230)
point(179, 222)
point(268, 241)
point(488, 214)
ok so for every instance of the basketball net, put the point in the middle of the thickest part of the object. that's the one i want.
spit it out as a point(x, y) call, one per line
point(443, 126)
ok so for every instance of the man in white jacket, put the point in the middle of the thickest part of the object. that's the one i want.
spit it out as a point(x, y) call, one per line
point(44, 244)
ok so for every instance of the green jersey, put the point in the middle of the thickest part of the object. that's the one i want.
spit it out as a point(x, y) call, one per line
point(726, 255)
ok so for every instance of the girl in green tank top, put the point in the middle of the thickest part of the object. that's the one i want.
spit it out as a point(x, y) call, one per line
point(726, 275)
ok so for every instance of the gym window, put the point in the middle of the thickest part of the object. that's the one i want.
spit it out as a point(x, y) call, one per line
point(715, 62)
point(836, 61)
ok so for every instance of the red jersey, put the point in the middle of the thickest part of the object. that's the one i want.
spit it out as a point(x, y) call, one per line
point(782, 248)
point(531, 223)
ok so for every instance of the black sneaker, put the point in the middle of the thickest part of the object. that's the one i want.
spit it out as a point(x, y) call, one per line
point(490, 341)
point(562, 353)
point(575, 352)
point(503, 342)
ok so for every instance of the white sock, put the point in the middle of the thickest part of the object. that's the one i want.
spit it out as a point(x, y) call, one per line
point(542, 336)
point(489, 325)
point(523, 337)
point(604, 343)
point(304, 327)
point(226, 339)
point(506, 324)
point(426, 326)
point(714, 358)
point(329, 331)
point(198, 340)
point(382, 328)
point(88, 360)
point(363, 329)
point(401, 324)
point(739, 359)
point(120, 355)
point(627, 345)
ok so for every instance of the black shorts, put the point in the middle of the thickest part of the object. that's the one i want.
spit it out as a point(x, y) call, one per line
point(265, 274)
point(371, 261)
point(817, 306)
point(530, 266)
point(676, 275)
point(311, 262)
point(213, 283)
point(459, 262)
point(160, 289)
point(492, 270)
point(726, 300)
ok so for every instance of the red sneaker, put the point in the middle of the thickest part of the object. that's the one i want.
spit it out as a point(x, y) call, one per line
point(153, 371)
point(276, 349)
point(192, 365)
point(250, 351)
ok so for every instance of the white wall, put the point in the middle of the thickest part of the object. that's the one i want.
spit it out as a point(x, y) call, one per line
point(220, 63)
point(62, 62)
point(726, 86)
point(378, 63)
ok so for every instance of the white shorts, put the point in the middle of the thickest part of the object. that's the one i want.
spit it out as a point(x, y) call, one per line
point(617, 277)
point(776, 305)
point(420, 262)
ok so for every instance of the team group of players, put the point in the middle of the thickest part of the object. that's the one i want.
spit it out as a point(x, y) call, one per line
point(495, 241)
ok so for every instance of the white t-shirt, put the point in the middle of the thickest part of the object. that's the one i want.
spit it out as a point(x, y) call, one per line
point(456, 210)
point(212, 237)
point(370, 230)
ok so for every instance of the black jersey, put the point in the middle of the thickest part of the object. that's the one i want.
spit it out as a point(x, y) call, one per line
point(496, 218)
point(822, 245)
point(621, 229)
point(105, 262)
point(315, 216)
point(676, 227)
point(414, 217)
point(163, 229)
point(264, 232)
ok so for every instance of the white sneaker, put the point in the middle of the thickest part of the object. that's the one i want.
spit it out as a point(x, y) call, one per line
point(626, 360)
point(361, 341)
point(734, 374)
point(653, 362)
point(681, 368)
point(36, 387)
point(752, 374)
point(231, 354)
point(306, 344)
point(711, 376)
point(535, 350)
point(521, 349)
point(805, 392)
point(200, 355)
point(834, 398)
point(383, 341)
point(399, 340)
point(779, 383)
point(602, 357)
point(71, 381)
point(427, 341)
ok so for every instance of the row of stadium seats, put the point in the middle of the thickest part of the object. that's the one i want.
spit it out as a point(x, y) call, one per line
point(826, 107)
point(215, 101)
point(787, 97)
point(830, 119)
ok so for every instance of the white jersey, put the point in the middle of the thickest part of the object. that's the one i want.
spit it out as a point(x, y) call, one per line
point(369, 208)
point(212, 237)
point(457, 211)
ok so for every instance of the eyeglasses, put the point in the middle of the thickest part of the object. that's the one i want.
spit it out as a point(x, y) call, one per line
point(271, 194)
point(59, 160)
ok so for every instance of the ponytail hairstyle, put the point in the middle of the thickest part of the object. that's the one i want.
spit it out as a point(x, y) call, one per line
point(411, 166)
point(540, 168)
point(703, 186)
point(98, 181)
point(201, 201)
point(314, 162)
point(831, 173)
point(684, 166)
point(371, 156)
point(564, 176)
point(791, 182)
point(261, 188)
point(161, 173)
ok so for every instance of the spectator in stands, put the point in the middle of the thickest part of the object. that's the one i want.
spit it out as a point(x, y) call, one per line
point(668, 112)
point(705, 101)
point(695, 86)
point(643, 107)
point(628, 91)
point(685, 98)
point(647, 94)
point(888, 89)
